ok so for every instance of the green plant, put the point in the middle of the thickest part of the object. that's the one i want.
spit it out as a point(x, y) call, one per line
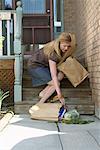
point(3, 95)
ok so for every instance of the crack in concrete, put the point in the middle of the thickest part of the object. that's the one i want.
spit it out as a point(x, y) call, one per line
point(93, 138)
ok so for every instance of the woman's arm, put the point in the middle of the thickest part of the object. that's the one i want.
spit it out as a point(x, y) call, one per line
point(53, 70)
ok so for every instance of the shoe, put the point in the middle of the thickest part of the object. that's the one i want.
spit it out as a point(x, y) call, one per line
point(55, 99)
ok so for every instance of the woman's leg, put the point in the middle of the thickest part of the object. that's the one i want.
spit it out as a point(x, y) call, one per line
point(50, 89)
point(41, 94)
point(47, 92)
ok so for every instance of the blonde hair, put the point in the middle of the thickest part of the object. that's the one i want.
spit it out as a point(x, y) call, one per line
point(54, 45)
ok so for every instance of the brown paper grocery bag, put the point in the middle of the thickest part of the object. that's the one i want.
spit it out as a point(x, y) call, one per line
point(73, 70)
point(45, 111)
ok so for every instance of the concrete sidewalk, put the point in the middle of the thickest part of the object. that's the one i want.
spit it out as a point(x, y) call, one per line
point(22, 133)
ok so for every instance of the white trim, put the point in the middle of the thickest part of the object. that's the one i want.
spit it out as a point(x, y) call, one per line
point(1, 51)
point(7, 57)
point(14, 24)
point(8, 37)
point(57, 23)
point(5, 15)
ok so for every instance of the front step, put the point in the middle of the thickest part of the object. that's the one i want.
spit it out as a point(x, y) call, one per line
point(23, 107)
point(29, 94)
point(74, 97)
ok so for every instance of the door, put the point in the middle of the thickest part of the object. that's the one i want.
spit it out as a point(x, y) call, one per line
point(37, 21)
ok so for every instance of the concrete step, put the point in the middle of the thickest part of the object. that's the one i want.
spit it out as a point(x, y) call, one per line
point(79, 98)
point(23, 107)
point(85, 93)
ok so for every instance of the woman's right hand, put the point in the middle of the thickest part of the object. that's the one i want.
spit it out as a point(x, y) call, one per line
point(62, 99)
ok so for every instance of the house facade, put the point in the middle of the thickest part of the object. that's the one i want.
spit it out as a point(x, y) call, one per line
point(42, 23)
point(83, 18)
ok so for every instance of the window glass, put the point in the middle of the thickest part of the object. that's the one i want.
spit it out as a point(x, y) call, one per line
point(8, 4)
point(34, 6)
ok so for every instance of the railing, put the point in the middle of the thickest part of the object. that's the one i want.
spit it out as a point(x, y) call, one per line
point(10, 44)
point(18, 55)
point(7, 24)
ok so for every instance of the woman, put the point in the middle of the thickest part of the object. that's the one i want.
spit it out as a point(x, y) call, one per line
point(43, 64)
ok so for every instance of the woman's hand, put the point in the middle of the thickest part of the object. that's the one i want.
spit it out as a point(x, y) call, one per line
point(62, 100)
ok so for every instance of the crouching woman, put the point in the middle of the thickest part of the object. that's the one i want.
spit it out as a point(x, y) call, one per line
point(42, 65)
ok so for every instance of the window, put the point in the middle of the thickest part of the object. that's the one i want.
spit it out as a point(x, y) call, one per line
point(8, 4)
point(34, 6)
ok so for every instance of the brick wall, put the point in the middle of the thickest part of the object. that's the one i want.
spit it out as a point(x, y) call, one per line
point(0, 4)
point(69, 15)
point(83, 18)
